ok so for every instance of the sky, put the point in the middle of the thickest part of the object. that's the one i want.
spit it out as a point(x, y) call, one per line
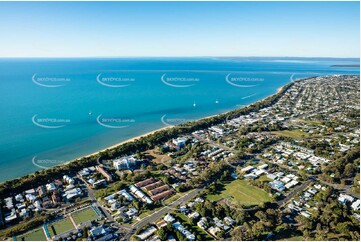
point(179, 29)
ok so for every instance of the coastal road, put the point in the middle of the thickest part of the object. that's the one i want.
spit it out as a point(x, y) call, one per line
point(161, 212)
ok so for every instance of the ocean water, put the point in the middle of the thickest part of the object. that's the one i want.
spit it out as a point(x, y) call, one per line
point(56, 110)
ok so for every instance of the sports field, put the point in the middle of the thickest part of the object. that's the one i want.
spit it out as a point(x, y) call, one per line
point(60, 226)
point(34, 235)
point(239, 191)
point(84, 215)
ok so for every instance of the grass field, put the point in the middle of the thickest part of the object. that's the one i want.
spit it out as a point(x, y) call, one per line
point(295, 134)
point(60, 226)
point(239, 191)
point(34, 235)
point(84, 215)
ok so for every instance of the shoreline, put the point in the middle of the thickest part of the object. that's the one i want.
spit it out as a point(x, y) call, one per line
point(160, 129)
point(278, 90)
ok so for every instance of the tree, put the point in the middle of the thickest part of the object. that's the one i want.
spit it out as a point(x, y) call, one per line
point(349, 170)
point(162, 234)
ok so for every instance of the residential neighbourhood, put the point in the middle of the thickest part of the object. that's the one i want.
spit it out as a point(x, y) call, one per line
point(270, 174)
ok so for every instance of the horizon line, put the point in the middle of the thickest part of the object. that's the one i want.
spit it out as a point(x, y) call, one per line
point(211, 56)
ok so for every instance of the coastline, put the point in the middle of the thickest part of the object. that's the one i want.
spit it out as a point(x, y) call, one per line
point(278, 91)
point(160, 129)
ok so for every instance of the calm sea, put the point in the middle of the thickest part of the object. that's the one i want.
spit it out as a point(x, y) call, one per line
point(55, 110)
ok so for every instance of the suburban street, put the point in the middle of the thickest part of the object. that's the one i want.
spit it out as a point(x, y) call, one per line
point(160, 213)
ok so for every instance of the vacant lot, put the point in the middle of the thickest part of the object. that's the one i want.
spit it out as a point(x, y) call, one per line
point(34, 235)
point(239, 191)
point(84, 215)
point(60, 226)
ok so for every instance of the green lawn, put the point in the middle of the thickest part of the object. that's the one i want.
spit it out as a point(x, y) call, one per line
point(295, 134)
point(239, 191)
point(34, 235)
point(84, 215)
point(60, 226)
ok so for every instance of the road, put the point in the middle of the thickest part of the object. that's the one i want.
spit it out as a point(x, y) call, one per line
point(290, 195)
point(161, 212)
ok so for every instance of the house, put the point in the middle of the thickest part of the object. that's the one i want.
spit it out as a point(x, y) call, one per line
point(272, 176)
point(19, 198)
point(356, 205)
point(30, 191)
point(145, 182)
point(162, 195)
point(125, 194)
point(69, 180)
point(101, 170)
point(72, 194)
point(41, 190)
point(344, 198)
point(214, 230)
point(217, 129)
point(229, 221)
point(169, 218)
point(100, 183)
point(161, 224)
point(277, 185)
point(55, 198)
point(30, 197)
point(132, 212)
point(9, 217)
point(97, 231)
point(139, 194)
point(85, 172)
point(9, 203)
point(50, 187)
point(306, 214)
point(189, 236)
point(114, 206)
point(247, 169)
point(159, 190)
point(46, 202)
point(193, 215)
point(264, 166)
point(23, 213)
point(147, 233)
point(202, 223)
point(199, 200)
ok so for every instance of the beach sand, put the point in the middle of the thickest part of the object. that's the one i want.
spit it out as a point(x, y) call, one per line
point(123, 142)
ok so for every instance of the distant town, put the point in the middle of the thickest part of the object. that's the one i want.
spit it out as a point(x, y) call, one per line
point(285, 168)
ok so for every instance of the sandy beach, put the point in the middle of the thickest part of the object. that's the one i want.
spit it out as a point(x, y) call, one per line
point(123, 142)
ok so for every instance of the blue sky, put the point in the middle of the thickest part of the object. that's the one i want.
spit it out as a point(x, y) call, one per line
point(121, 29)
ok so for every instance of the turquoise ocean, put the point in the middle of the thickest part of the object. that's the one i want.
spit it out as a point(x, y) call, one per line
point(56, 110)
